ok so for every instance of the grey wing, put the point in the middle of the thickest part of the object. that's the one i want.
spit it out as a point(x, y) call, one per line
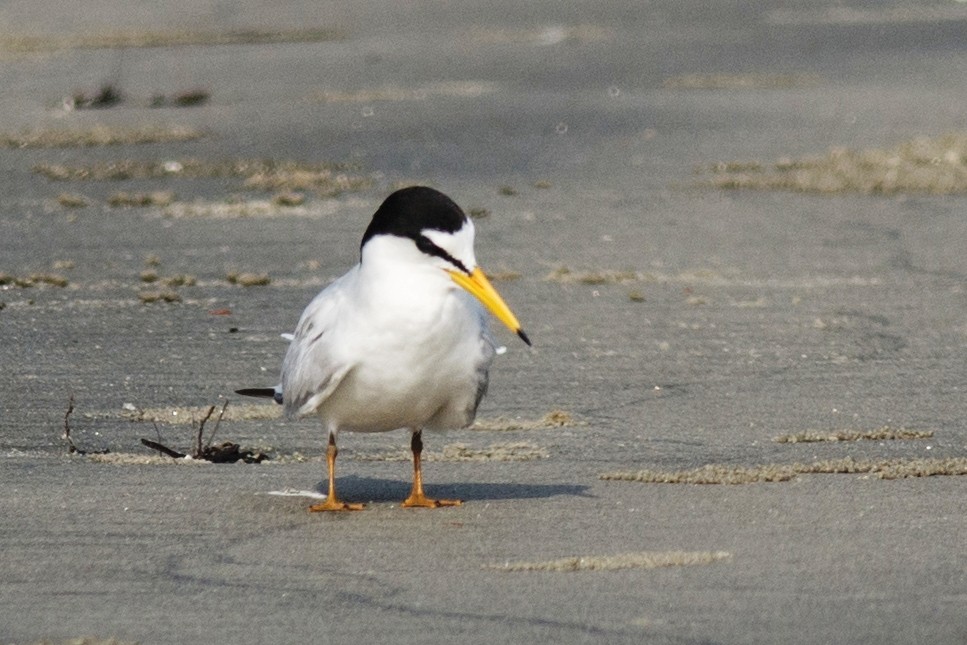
point(311, 369)
point(489, 349)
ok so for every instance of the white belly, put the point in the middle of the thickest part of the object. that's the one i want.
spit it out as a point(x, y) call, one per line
point(428, 377)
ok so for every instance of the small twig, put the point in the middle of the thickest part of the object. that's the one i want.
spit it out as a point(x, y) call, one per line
point(218, 422)
point(201, 429)
point(160, 447)
point(225, 453)
point(71, 448)
point(163, 449)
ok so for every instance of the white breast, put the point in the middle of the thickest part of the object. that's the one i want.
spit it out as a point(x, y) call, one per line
point(416, 348)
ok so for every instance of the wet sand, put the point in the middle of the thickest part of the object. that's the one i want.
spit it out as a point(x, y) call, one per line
point(734, 234)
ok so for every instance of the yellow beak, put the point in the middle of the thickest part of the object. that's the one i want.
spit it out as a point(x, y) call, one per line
point(479, 286)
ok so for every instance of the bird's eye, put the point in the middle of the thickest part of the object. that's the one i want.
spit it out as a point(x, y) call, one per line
point(426, 245)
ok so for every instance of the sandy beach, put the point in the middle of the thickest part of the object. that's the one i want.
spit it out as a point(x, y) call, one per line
point(735, 234)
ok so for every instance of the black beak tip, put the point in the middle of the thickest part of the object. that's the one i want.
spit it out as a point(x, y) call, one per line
point(523, 337)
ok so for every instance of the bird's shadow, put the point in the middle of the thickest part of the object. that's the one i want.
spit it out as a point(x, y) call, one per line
point(376, 489)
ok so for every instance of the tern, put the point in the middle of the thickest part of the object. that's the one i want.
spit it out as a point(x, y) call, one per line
point(399, 341)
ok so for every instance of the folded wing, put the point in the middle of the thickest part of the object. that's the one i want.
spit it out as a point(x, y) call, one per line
point(312, 368)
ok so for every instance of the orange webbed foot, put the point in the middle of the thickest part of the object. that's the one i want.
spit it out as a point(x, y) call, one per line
point(335, 505)
point(422, 501)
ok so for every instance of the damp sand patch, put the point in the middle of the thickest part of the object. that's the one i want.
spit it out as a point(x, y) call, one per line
point(447, 89)
point(189, 414)
point(165, 203)
point(100, 135)
point(923, 165)
point(123, 199)
point(33, 280)
point(553, 419)
point(881, 16)
point(881, 434)
point(84, 640)
point(455, 452)
point(706, 277)
point(163, 295)
point(240, 209)
point(595, 277)
point(750, 81)
point(642, 560)
point(324, 182)
point(73, 200)
point(324, 179)
point(504, 275)
point(565, 275)
point(459, 452)
point(542, 36)
point(135, 459)
point(724, 474)
point(134, 39)
point(261, 412)
point(156, 459)
point(248, 279)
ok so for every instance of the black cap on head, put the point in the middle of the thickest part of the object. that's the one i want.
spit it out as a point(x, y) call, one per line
point(409, 211)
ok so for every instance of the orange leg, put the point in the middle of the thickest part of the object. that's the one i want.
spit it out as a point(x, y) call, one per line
point(417, 499)
point(332, 502)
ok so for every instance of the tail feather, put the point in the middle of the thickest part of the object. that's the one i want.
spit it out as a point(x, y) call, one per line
point(274, 393)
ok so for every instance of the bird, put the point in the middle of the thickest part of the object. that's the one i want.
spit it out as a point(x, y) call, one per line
point(401, 340)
